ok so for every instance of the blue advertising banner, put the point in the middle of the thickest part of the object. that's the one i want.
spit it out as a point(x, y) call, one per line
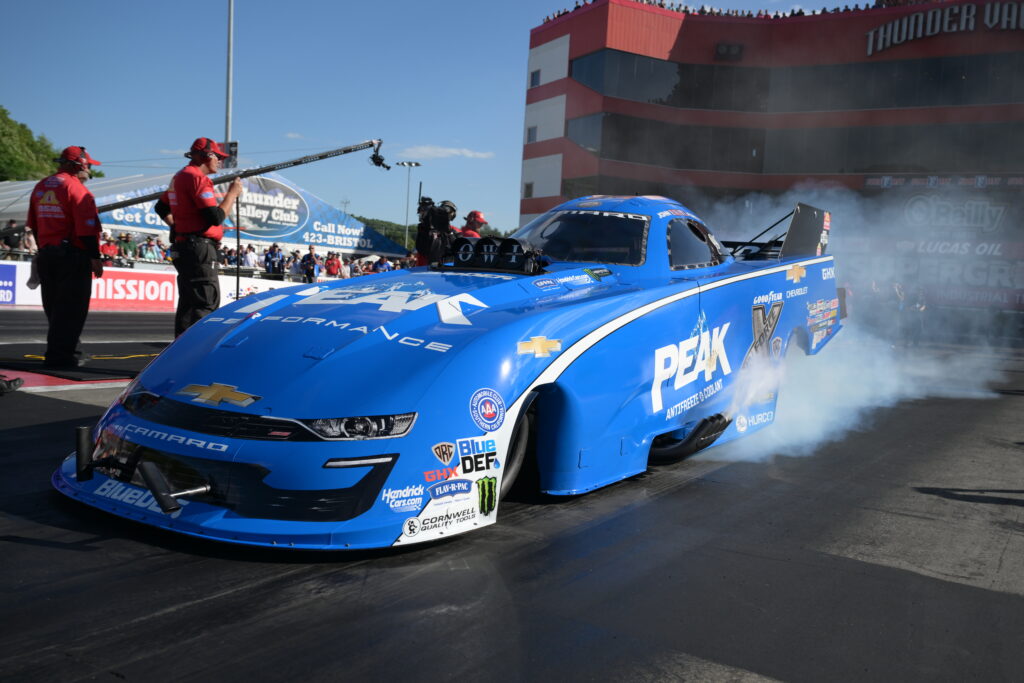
point(7, 284)
point(271, 209)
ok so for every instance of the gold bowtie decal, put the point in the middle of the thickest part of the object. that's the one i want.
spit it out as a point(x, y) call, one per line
point(796, 273)
point(540, 347)
point(214, 394)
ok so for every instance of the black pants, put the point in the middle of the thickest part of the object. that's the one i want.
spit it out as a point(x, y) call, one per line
point(198, 287)
point(65, 275)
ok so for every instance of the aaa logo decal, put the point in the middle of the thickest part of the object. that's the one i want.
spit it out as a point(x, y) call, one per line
point(487, 409)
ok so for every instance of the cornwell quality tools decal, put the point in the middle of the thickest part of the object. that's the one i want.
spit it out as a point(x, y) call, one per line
point(540, 347)
point(216, 393)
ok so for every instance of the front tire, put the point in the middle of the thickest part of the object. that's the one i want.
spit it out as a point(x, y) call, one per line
point(517, 452)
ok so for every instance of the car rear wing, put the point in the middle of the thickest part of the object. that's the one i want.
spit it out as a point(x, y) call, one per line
point(807, 235)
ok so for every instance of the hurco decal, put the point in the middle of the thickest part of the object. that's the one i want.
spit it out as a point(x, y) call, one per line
point(132, 495)
point(409, 499)
point(743, 422)
point(686, 360)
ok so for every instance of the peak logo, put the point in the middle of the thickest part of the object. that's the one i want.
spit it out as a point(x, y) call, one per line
point(685, 361)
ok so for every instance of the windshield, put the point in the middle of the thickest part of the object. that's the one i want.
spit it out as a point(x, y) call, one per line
point(588, 236)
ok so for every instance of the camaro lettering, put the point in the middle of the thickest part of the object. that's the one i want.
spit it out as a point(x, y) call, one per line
point(687, 359)
point(174, 438)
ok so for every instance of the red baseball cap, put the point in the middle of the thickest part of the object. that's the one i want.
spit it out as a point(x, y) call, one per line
point(77, 154)
point(208, 146)
point(477, 216)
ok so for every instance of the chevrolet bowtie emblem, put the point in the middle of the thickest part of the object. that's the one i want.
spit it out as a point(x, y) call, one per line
point(796, 273)
point(215, 394)
point(540, 347)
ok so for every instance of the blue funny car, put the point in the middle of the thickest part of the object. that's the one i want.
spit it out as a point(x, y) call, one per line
point(607, 334)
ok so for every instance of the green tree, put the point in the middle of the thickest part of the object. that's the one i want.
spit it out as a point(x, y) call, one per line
point(23, 155)
point(393, 231)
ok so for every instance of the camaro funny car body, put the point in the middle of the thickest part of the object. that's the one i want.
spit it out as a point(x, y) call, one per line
point(398, 408)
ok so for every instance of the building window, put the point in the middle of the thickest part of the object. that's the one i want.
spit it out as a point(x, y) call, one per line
point(535, 78)
point(531, 134)
point(527, 190)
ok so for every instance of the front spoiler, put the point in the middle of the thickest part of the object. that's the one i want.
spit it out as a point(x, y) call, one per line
point(207, 521)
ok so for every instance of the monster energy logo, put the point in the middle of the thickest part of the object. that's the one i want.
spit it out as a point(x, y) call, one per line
point(487, 494)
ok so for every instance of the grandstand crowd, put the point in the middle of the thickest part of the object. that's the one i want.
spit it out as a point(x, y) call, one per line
point(707, 10)
point(127, 250)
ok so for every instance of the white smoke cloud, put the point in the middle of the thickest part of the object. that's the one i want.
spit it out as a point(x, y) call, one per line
point(869, 365)
point(293, 136)
point(436, 152)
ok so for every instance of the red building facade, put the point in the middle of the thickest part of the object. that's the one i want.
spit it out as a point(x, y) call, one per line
point(628, 98)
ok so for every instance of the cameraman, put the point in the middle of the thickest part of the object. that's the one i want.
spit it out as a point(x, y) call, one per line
point(434, 234)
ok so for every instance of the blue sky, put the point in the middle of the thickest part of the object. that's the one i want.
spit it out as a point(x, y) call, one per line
point(440, 82)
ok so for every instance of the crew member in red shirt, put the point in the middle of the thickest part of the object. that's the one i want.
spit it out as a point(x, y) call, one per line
point(190, 207)
point(474, 221)
point(62, 214)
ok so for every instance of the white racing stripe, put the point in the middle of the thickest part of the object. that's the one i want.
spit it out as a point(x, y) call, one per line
point(567, 357)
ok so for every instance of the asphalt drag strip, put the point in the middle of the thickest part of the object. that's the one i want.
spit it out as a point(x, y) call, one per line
point(893, 553)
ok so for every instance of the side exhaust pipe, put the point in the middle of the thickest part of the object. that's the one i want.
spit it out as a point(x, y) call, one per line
point(161, 489)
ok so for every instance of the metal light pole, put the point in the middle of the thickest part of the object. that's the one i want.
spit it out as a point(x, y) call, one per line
point(231, 40)
point(409, 165)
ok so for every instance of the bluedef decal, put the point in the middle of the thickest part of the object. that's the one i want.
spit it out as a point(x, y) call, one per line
point(487, 494)
point(452, 488)
point(487, 409)
point(133, 495)
point(685, 361)
point(409, 499)
point(477, 455)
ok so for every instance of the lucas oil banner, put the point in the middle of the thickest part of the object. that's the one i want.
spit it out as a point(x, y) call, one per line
point(271, 209)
